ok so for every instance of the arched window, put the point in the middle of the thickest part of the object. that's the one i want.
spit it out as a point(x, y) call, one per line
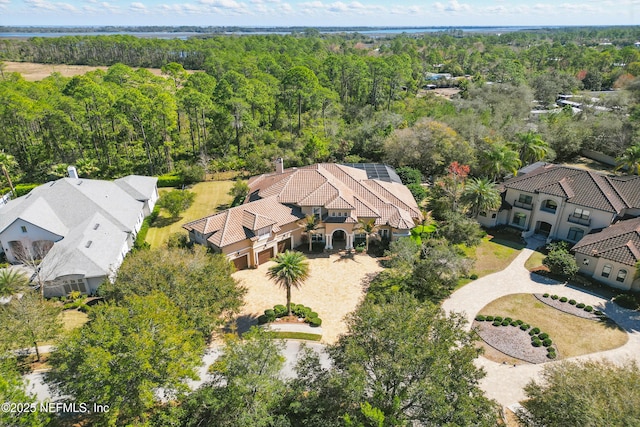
point(606, 270)
point(549, 206)
point(622, 274)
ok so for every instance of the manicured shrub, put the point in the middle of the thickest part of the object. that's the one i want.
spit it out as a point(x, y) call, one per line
point(262, 319)
point(572, 302)
point(473, 277)
point(524, 326)
point(514, 323)
point(508, 319)
point(564, 299)
point(554, 297)
point(532, 332)
point(280, 310)
point(270, 314)
point(313, 314)
point(547, 342)
point(551, 355)
point(536, 330)
point(588, 309)
point(545, 295)
point(489, 318)
point(315, 322)
point(536, 343)
point(505, 323)
point(519, 322)
point(543, 336)
point(598, 313)
point(496, 323)
point(22, 189)
point(498, 318)
point(480, 318)
point(580, 305)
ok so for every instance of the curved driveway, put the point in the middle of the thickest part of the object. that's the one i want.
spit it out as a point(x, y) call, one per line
point(505, 383)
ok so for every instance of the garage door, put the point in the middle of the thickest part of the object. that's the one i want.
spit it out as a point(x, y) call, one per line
point(284, 245)
point(241, 263)
point(265, 256)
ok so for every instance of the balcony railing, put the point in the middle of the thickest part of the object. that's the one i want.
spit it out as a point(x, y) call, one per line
point(519, 204)
point(577, 220)
point(546, 209)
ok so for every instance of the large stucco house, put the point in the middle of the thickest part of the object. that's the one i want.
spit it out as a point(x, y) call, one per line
point(594, 211)
point(82, 227)
point(339, 196)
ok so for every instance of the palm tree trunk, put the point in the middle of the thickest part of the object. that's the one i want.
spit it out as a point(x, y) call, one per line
point(310, 242)
point(288, 300)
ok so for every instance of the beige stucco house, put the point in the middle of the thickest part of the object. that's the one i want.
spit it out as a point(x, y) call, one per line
point(578, 206)
point(339, 196)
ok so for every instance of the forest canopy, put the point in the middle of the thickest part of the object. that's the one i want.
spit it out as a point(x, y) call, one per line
point(311, 97)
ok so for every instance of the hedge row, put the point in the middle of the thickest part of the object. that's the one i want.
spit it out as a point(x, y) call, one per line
point(581, 305)
point(140, 242)
point(538, 338)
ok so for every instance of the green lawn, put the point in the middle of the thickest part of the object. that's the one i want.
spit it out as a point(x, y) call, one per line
point(535, 261)
point(574, 336)
point(211, 196)
point(494, 254)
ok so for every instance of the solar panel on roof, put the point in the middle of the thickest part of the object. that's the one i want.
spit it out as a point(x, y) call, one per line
point(377, 171)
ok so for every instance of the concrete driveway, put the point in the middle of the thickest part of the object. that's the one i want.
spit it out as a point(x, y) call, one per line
point(334, 289)
point(505, 383)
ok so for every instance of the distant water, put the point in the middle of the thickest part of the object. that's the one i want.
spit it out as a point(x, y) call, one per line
point(186, 35)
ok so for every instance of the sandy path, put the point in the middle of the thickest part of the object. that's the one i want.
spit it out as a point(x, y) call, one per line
point(334, 289)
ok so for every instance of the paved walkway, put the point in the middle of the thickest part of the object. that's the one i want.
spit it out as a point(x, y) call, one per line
point(505, 383)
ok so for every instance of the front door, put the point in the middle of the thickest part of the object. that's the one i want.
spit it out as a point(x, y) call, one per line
point(543, 228)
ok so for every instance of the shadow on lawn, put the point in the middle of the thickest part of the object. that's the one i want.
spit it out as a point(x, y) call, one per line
point(245, 322)
point(162, 221)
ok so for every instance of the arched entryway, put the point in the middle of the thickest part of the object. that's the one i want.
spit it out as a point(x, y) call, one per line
point(339, 239)
point(543, 228)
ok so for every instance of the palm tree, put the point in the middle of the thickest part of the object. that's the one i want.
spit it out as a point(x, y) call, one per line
point(630, 160)
point(291, 269)
point(531, 147)
point(309, 225)
point(369, 228)
point(482, 194)
point(499, 160)
point(12, 282)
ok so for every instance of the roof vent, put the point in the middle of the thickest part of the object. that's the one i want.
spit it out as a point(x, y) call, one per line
point(79, 182)
point(95, 227)
point(88, 244)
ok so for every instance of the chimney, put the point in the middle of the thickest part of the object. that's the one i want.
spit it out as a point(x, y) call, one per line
point(279, 165)
point(73, 172)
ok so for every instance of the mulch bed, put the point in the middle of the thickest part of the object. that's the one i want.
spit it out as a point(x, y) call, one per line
point(567, 308)
point(512, 341)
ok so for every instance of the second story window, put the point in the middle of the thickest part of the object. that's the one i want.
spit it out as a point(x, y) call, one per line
point(316, 212)
point(23, 229)
point(525, 199)
point(549, 206)
point(264, 233)
point(581, 213)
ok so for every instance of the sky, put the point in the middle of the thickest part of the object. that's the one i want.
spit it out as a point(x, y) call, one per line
point(320, 13)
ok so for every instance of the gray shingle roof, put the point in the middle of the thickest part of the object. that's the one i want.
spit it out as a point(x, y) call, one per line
point(619, 242)
point(137, 186)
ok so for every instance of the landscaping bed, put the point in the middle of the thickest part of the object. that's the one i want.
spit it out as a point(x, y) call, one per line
point(566, 307)
point(513, 341)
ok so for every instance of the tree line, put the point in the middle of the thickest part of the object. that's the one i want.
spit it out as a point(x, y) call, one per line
point(309, 99)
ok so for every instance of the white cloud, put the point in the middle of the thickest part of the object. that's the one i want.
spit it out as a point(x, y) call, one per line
point(43, 5)
point(138, 7)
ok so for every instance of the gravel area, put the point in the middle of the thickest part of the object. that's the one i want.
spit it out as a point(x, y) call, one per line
point(567, 308)
point(512, 341)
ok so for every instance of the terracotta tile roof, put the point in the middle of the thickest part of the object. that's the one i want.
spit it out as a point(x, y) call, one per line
point(242, 222)
point(340, 187)
point(629, 188)
point(580, 187)
point(619, 242)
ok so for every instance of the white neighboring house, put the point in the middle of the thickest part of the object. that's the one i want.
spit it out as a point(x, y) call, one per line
point(83, 227)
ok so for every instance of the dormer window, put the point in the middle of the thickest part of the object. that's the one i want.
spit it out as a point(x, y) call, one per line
point(264, 233)
point(316, 212)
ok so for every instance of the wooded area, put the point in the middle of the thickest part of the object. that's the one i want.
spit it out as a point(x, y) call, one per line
point(310, 98)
